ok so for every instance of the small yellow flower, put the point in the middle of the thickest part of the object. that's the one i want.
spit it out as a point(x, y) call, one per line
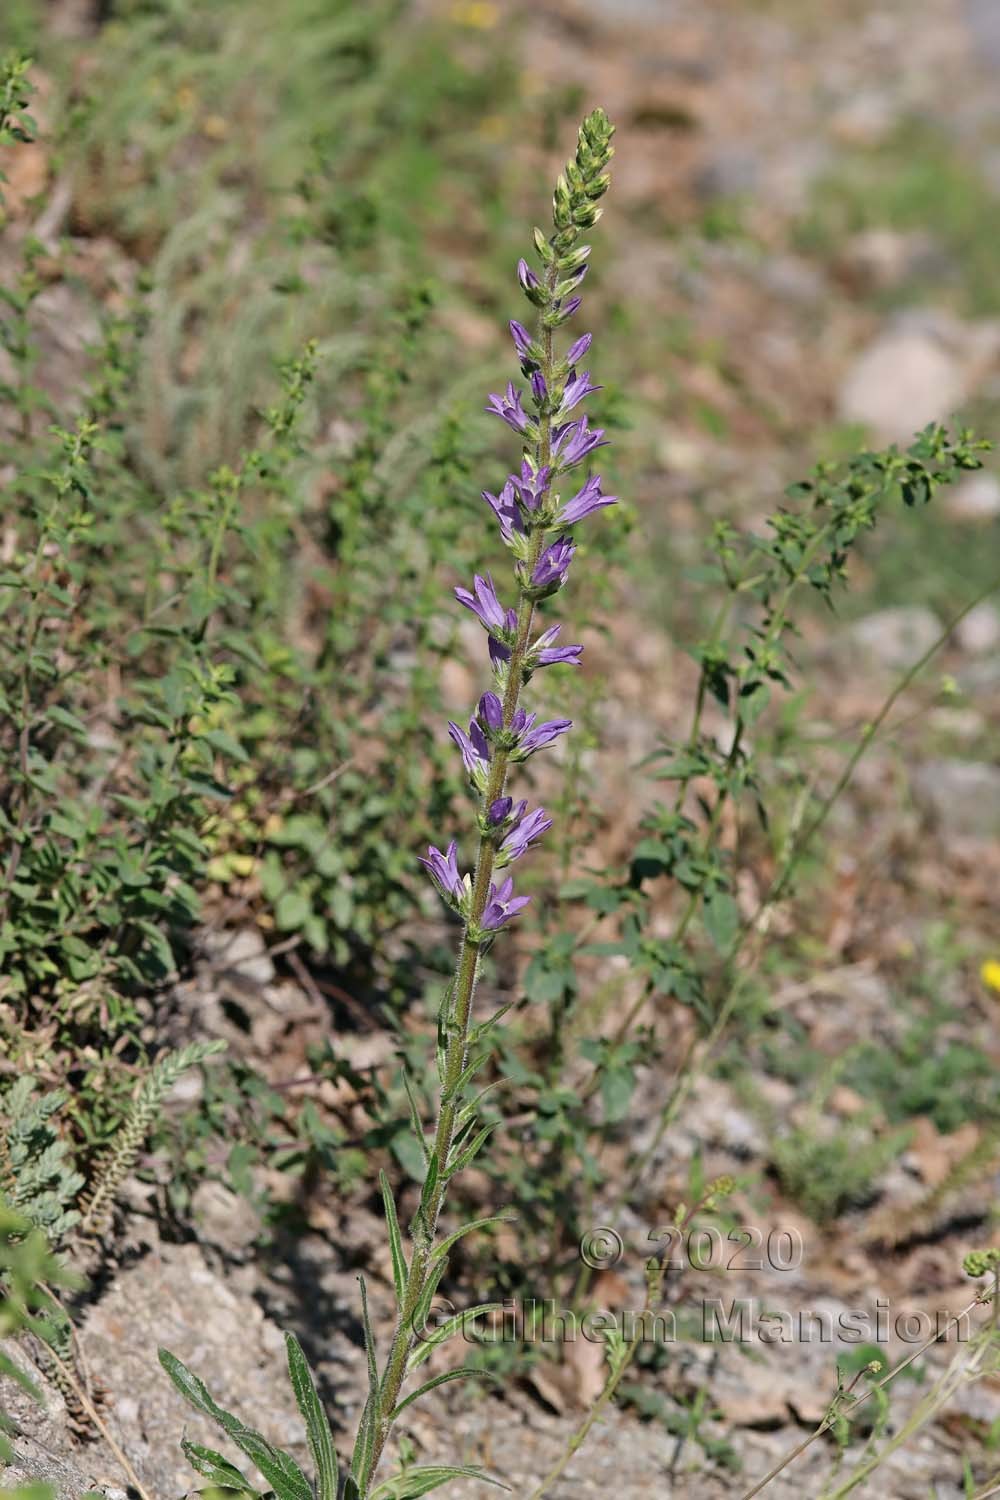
point(990, 974)
point(215, 127)
point(480, 14)
point(493, 128)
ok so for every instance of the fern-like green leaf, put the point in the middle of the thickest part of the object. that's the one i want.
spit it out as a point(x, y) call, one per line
point(138, 1123)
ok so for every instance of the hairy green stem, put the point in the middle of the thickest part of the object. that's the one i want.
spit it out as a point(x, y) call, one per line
point(466, 976)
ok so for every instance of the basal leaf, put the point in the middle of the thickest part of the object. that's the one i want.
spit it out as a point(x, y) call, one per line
point(212, 1466)
point(421, 1481)
point(320, 1437)
point(278, 1468)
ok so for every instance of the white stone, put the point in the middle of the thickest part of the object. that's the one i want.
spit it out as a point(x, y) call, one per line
point(961, 796)
point(902, 381)
point(975, 498)
point(897, 638)
point(979, 632)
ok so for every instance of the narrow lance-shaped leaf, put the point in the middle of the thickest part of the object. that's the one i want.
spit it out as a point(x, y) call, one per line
point(418, 1129)
point(436, 1271)
point(421, 1481)
point(399, 1268)
point(278, 1468)
point(318, 1432)
point(443, 1379)
point(465, 1157)
point(217, 1469)
point(446, 1244)
point(430, 1341)
point(364, 1447)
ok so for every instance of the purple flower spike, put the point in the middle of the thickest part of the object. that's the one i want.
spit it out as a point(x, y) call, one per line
point(536, 737)
point(524, 833)
point(539, 389)
point(474, 747)
point(501, 906)
point(570, 308)
point(491, 711)
point(576, 388)
point(522, 339)
point(444, 870)
point(504, 507)
point(509, 408)
point(544, 654)
point(531, 488)
point(576, 351)
point(553, 565)
point(499, 810)
point(484, 603)
point(573, 441)
point(526, 276)
point(584, 502)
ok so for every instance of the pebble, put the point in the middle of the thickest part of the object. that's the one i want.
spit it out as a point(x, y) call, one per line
point(961, 796)
point(242, 952)
point(902, 381)
point(979, 632)
point(897, 637)
point(974, 498)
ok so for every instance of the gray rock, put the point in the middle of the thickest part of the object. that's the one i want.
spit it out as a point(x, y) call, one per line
point(866, 119)
point(980, 679)
point(962, 797)
point(902, 381)
point(975, 498)
point(983, 20)
point(732, 172)
point(979, 632)
point(224, 1219)
point(241, 954)
point(43, 1453)
point(896, 638)
point(173, 1298)
point(878, 260)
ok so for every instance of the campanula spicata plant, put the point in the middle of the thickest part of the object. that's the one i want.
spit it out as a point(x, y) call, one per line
point(535, 509)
